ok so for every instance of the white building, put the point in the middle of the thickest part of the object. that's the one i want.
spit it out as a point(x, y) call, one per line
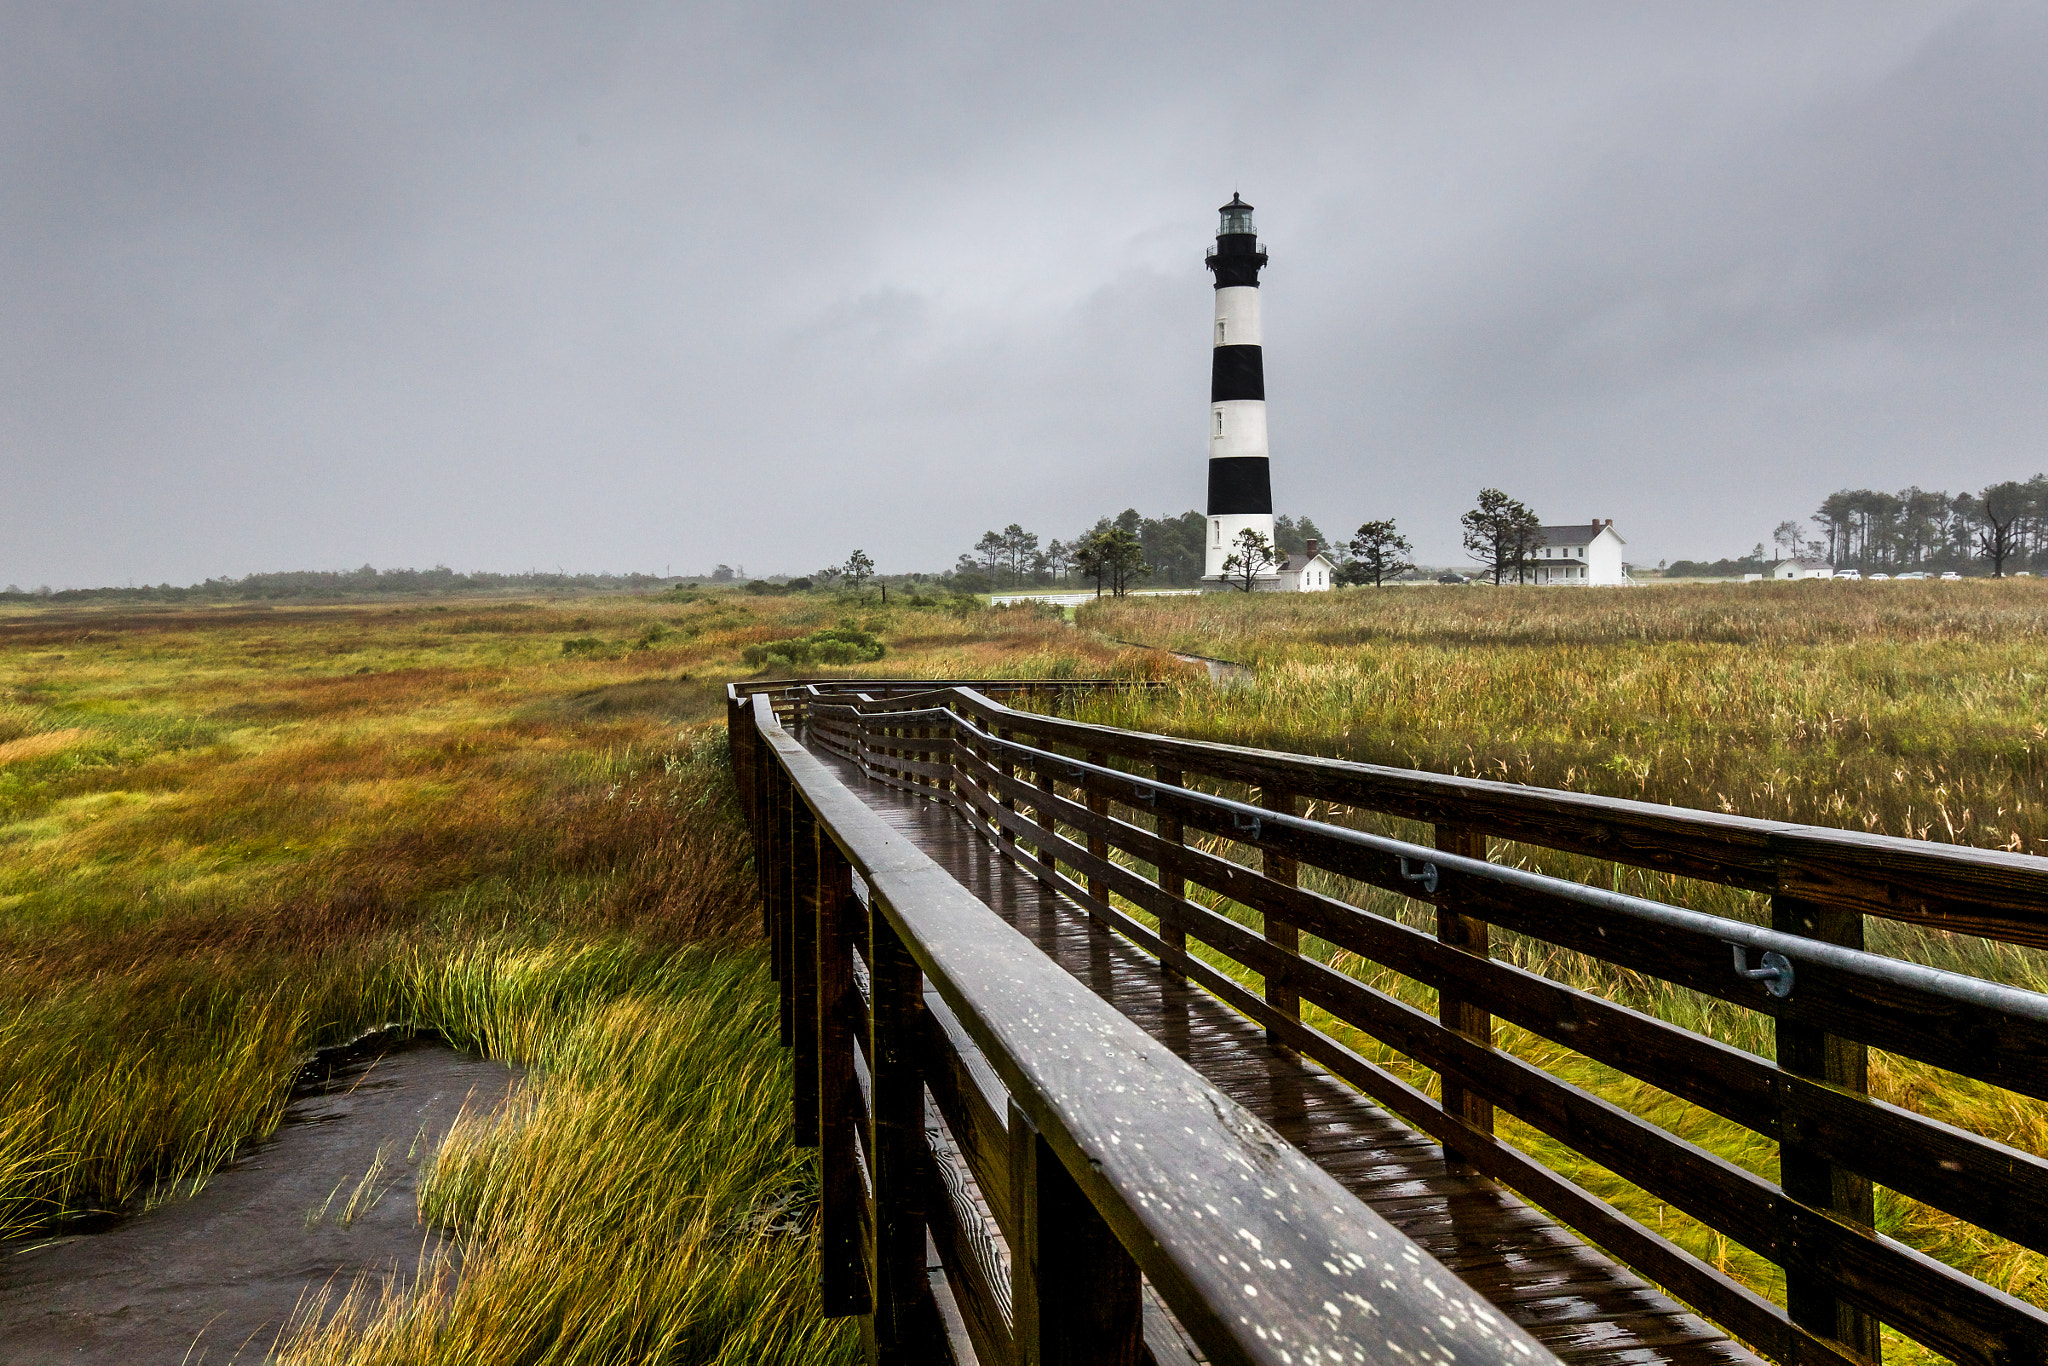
point(1305, 573)
point(1584, 556)
point(1802, 569)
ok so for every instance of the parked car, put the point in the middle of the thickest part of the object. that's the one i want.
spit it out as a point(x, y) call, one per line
point(1951, 575)
point(1876, 578)
point(1915, 575)
point(1853, 574)
point(1452, 578)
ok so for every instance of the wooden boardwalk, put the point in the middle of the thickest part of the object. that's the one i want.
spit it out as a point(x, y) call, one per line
point(1574, 1299)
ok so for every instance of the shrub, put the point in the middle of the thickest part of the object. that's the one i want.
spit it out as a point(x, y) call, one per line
point(834, 645)
point(582, 646)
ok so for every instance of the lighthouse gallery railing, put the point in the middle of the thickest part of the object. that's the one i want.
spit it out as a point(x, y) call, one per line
point(1048, 792)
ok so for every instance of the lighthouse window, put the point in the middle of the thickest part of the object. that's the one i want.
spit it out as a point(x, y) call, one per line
point(1221, 326)
point(1219, 422)
point(1218, 526)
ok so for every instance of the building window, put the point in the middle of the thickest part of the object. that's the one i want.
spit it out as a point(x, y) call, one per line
point(1218, 525)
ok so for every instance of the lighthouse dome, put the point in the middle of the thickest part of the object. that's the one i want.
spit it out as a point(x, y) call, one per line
point(1237, 217)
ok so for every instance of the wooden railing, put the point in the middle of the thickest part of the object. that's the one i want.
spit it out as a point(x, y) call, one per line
point(933, 1087)
point(1116, 819)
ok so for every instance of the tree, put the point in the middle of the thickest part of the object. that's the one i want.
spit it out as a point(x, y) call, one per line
point(1788, 537)
point(1251, 554)
point(1111, 556)
point(722, 574)
point(1018, 546)
point(1291, 535)
point(1500, 533)
point(989, 549)
point(1376, 554)
point(2000, 508)
point(859, 569)
point(1058, 556)
point(828, 576)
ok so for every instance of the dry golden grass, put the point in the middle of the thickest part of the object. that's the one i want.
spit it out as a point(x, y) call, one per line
point(230, 836)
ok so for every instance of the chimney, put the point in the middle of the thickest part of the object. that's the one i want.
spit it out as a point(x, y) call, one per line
point(1311, 549)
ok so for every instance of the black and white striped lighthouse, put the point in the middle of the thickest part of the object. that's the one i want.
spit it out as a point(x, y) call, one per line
point(1240, 486)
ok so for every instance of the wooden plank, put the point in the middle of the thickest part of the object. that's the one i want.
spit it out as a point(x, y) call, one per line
point(970, 1266)
point(1466, 1014)
point(1170, 881)
point(803, 974)
point(842, 1258)
point(1278, 931)
point(906, 1325)
point(1074, 1290)
point(1804, 1171)
point(974, 1105)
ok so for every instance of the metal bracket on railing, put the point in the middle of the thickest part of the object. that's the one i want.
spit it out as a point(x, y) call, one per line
point(1077, 775)
point(1145, 794)
point(1427, 877)
point(1775, 974)
point(1238, 822)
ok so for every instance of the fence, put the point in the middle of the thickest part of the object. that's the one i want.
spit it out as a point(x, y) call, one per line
point(1116, 821)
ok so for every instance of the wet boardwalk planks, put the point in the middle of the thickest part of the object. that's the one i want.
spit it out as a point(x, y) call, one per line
point(1573, 1298)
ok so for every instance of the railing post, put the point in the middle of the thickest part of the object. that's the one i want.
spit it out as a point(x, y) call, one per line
point(1468, 935)
point(1804, 1174)
point(1048, 821)
point(904, 1322)
point(842, 1270)
point(1281, 935)
point(1007, 836)
point(783, 823)
point(1098, 845)
point(1171, 881)
point(803, 924)
point(1074, 1290)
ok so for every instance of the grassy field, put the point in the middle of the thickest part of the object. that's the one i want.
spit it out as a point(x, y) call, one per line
point(229, 836)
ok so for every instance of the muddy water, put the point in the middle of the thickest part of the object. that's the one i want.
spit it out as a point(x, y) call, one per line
point(213, 1278)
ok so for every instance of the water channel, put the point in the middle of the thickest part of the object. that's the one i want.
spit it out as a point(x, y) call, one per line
point(213, 1278)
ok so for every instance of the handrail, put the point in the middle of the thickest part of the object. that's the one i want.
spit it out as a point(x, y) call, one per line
point(1261, 1255)
point(1993, 893)
point(1827, 997)
point(1435, 863)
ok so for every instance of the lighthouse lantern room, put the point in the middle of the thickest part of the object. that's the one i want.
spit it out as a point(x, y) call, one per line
point(1240, 486)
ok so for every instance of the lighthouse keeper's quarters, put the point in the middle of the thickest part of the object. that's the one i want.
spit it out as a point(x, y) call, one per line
point(1307, 572)
point(1584, 556)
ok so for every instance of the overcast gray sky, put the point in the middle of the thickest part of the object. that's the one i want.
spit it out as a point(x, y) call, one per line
point(621, 286)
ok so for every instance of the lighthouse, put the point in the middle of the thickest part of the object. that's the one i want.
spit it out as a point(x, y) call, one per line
point(1240, 487)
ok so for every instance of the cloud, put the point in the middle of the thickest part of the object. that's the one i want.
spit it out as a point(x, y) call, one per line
point(625, 286)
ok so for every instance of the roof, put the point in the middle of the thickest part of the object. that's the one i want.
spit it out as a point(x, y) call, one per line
point(1801, 564)
point(1578, 533)
point(1287, 561)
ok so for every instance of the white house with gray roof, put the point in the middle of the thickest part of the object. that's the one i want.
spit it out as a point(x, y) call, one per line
point(1587, 555)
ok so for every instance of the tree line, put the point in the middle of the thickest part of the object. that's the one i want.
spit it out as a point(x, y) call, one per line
point(2000, 528)
point(1120, 551)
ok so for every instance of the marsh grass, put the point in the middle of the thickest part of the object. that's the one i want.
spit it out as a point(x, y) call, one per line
point(231, 836)
point(1915, 709)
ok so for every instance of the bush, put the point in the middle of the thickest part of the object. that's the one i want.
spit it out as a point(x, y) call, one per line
point(834, 645)
point(582, 646)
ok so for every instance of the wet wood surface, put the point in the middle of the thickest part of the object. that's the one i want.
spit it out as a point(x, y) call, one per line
point(1574, 1299)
